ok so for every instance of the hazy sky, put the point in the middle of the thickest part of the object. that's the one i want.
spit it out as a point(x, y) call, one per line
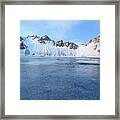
point(77, 31)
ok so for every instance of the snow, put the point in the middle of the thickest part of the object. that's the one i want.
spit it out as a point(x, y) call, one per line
point(88, 51)
point(47, 49)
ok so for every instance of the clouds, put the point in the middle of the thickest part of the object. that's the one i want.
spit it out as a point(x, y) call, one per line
point(61, 28)
point(68, 30)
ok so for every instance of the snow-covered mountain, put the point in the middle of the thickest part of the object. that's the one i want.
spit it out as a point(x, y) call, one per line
point(45, 46)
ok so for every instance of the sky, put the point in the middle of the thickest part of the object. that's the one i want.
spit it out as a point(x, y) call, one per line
point(78, 31)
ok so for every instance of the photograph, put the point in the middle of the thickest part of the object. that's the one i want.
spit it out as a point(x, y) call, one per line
point(59, 59)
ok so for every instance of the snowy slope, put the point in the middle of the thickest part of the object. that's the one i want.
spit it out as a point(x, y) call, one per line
point(91, 50)
point(44, 46)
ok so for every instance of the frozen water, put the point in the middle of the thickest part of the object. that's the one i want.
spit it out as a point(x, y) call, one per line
point(59, 78)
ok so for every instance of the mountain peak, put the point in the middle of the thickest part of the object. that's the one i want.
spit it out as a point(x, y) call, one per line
point(45, 37)
point(45, 46)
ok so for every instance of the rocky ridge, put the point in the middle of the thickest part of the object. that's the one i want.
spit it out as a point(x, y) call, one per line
point(45, 39)
point(45, 46)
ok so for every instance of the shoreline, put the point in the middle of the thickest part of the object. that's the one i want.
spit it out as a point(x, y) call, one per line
point(94, 57)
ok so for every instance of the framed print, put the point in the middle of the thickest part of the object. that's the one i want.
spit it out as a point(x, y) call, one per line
point(60, 59)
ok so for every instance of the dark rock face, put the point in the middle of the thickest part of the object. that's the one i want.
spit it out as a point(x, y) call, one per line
point(41, 41)
point(21, 38)
point(53, 42)
point(45, 39)
point(22, 45)
point(73, 46)
point(33, 53)
point(90, 41)
point(66, 44)
point(59, 43)
point(98, 50)
point(34, 37)
point(96, 40)
point(27, 52)
point(95, 47)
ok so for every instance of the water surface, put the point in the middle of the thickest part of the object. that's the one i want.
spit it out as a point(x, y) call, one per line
point(59, 78)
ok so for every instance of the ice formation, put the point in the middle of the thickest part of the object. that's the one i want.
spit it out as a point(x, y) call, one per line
point(44, 46)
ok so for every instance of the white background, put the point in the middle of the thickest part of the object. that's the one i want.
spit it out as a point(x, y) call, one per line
point(15, 106)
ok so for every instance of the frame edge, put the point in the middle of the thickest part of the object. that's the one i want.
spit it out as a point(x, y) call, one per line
point(2, 59)
point(2, 82)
